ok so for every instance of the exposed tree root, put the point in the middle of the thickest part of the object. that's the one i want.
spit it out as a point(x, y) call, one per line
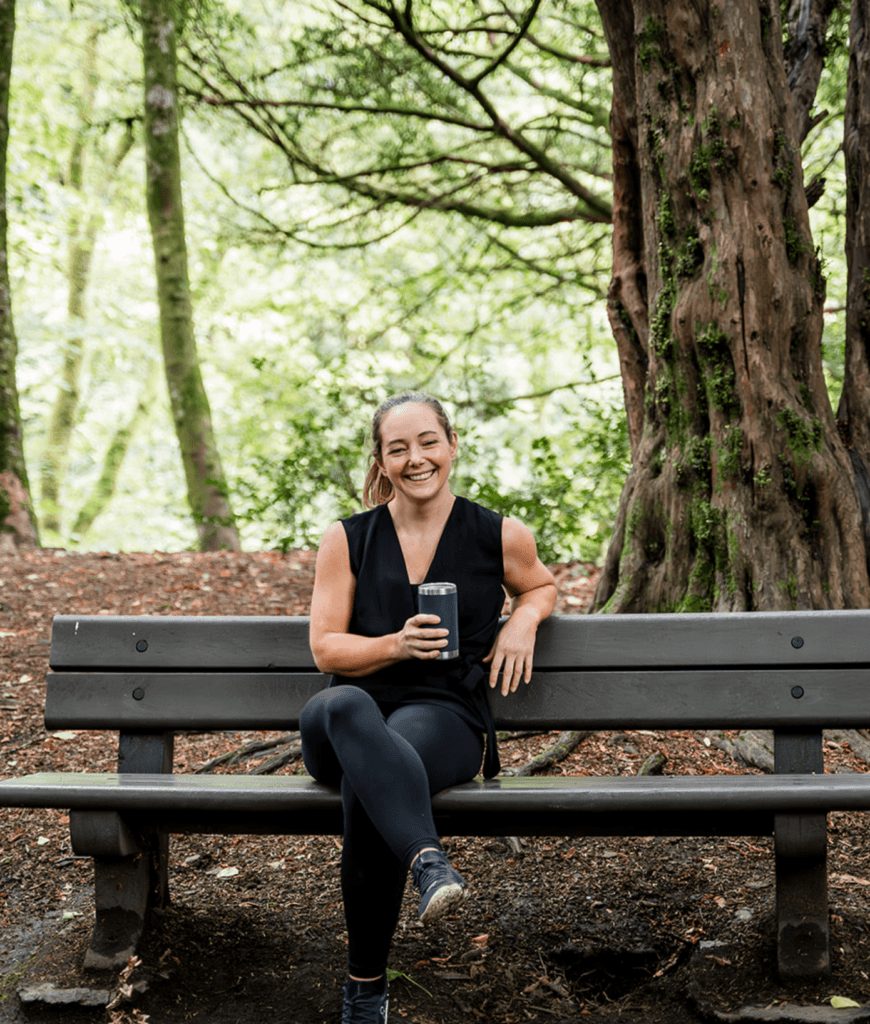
point(753, 748)
point(255, 748)
point(291, 752)
point(563, 746)
point(653, 765)
point(506, 737)
point(858, 740)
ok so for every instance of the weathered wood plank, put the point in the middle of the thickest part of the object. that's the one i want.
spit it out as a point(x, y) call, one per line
point(148, 642)
point(732, 698)
point(178, 700)
point(592, 641)
point(552, 796)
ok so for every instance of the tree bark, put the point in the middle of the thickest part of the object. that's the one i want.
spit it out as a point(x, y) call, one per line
point(852, 412)
point(741, 495)
point(206, 491)
point(17, 524)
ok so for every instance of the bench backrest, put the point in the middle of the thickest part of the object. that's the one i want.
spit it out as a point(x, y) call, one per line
point(743, 670)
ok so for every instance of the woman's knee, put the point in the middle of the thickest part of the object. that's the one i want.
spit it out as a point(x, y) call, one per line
point(327, 716)
point(339, 708)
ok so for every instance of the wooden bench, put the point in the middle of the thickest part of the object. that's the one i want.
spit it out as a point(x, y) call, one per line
point(148, 677)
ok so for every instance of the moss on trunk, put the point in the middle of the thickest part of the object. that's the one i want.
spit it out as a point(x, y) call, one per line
point(741, 495)
point(191, 412)
point(17, 523)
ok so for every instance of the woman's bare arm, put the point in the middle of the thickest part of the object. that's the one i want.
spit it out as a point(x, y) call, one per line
point(336, 650)
point(533, 591)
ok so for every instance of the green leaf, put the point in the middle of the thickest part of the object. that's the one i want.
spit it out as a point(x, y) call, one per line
point(841, 1002)
point(393, 975)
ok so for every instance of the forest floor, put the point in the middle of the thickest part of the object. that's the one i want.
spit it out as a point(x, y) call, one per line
point(552, 930)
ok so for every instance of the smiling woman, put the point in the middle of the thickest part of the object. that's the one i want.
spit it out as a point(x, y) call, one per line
point(419, 454)
point(397, 723)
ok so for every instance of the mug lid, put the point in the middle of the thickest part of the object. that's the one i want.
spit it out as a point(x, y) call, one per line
point(436, 588)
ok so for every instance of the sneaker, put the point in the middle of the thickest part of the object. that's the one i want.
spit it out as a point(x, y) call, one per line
point(365, 1002)
point(440, 885)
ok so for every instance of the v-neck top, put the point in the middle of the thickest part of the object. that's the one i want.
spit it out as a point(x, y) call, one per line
point(469, 554)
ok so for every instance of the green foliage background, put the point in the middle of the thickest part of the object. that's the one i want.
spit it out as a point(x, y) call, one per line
point(314, 301)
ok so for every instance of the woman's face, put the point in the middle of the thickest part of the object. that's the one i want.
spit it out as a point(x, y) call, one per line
point(416, 454)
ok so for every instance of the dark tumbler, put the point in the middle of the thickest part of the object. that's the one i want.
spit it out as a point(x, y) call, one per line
point(440, 599)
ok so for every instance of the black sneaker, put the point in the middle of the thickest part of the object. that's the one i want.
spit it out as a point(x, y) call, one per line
point(440, 885)
point(365, 1002)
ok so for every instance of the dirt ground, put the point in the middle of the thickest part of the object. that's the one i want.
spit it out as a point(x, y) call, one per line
point(553, 930)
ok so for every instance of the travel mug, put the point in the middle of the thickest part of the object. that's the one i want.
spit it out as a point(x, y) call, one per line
point(440, 599)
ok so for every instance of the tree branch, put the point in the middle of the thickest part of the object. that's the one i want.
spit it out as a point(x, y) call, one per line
point(219, 100)
point(573, 58)
point(805, 56)
point(600, 209)
point(523, 27)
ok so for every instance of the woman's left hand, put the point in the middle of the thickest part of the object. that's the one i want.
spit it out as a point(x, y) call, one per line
point(512, 652)
point(533, 591)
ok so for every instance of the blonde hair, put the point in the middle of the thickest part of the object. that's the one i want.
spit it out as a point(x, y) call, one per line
point(377, 489)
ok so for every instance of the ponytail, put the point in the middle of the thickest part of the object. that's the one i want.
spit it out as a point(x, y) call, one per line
point(377, 490)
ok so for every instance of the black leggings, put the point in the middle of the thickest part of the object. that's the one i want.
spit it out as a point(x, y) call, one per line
point(388, 761)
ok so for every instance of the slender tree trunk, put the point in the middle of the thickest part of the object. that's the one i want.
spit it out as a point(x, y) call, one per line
point(85, 224)
point(190, 408)
point(741, 494)
point(105, 487)
point(17, 524)
point(853, 413)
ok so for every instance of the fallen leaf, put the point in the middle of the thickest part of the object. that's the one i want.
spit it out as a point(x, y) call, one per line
point(838, 877)
point(225, 872)
point(842, 1003)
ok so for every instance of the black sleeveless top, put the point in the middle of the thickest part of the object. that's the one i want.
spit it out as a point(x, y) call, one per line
point(469, 554)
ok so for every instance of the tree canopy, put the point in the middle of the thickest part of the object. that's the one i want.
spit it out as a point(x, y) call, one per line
point(377, 196)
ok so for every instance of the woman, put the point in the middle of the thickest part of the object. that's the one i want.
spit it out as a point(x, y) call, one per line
point(397, 723)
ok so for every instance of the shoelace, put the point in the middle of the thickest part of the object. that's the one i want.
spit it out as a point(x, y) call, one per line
point(358, 1008)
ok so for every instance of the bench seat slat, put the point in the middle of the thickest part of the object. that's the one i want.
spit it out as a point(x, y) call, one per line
point(557, 795)
point(661, 699)
point(496, 822)
point(602, 641)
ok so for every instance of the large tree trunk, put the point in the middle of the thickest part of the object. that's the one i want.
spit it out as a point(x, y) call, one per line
point(741, 494)
point(17, 524)
point(853, 413)
point(190, 408)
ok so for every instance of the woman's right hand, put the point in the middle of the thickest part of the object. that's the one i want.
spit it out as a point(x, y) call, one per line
point(420, 638)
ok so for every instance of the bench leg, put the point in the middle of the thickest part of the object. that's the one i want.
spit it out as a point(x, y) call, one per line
point(800, 845)
point(121, 890)
point(127, 888)
point(803, 940)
